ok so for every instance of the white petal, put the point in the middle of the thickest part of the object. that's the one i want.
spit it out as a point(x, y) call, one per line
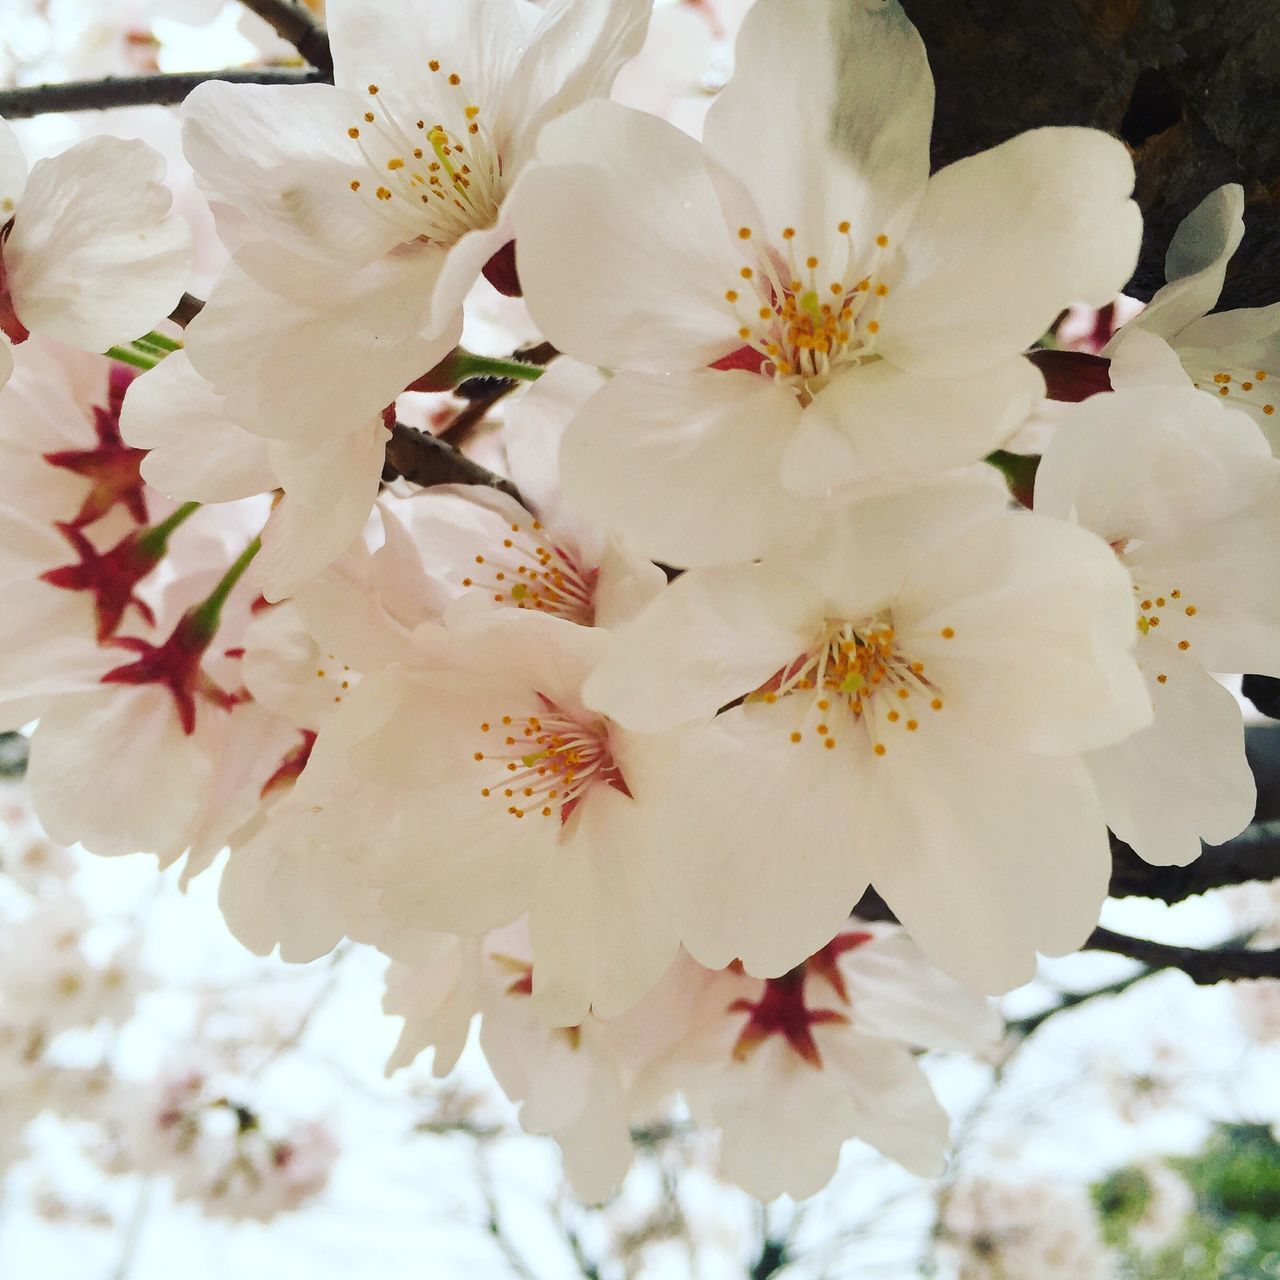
point(194, 450)
point(281, 156)
point(876, 424)
point(685, 466)
point(94, 257)
point(1030, 226)
point(621, 246)
point(282, 343)
point(114, 771)
point(848, 147)
point(601, 933)
point(710, 637)
point(13, 171)
point(1184, 779)
point(985, 856)
point(1195, 265)
point(573, 55)
point(330, 488)
point(1142, 359)
point(1041, 623)
point(776, 867)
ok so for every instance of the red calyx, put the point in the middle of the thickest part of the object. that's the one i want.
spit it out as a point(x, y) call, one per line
point(176, 665)
point(291, 766)
point(825, 964)
point(113, 469)
point(1072, 376)
point(747, 358)
point(781, 1011)
point(500, 271)
point(111, 576)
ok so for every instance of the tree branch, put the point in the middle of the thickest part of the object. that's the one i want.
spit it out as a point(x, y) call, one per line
point(295, 24)
point(1253, 855)
point(1203, 966)
point(134, 91)
point(425, 460)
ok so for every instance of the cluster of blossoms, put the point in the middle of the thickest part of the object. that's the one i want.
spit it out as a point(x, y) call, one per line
point(69, 993)
point(611, 762)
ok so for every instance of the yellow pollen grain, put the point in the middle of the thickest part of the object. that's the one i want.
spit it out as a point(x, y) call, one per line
point(903, 692)
point(1190, 611)
point(811, 263)
point(1246, 386)
point(1224, 391)
point(353, 132)
point(1159, 602)
point(1268, 409)
point(795, 737)
point(369, 117)
point(788, 233)
point(434, 65)
point(1146, 604)
point(843, 228)
point(823, 705)
point(355, 184)
point(936, 704)
point(879, 748)
point(882, 240)
point(1154, 620)
point(947, 633)
point(744, 233)
point(765, 313)
point(746, 273)
point(472, 128)
point(731, 295)
point(744, 333)
point(479, 755)
point(383, 193)
point(873, 327)
point(1162, 679)
point(823, 730)
point(396, 162)
point(1176, 594)
point(373, 89)
point(882, 291)
point(1184, 645)
point(455, 79)
point(829, 743)
point(894, 716)
point(471, 112)
point(912, 725)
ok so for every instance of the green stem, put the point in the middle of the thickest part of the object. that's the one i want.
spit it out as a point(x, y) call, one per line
point(156, 539)
point(129, 355)
point(157, 342)
point(205, 616)
point(473, 366)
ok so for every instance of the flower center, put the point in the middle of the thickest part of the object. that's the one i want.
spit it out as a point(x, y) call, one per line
point(1251, 388)
point(856, 672)
point(548, 761)
point(433, 179)
point(527, 573)
point(801, 321)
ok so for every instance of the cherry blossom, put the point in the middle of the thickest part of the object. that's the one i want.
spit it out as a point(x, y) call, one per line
point(89, 253)
point(858, 676)
point(1234, 355)
point(365, 211)
point(1186, 492)
point(793, 315)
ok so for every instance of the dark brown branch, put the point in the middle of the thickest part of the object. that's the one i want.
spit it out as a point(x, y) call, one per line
point(133, 91)
point(293, 23)
point(189, 306)
point(485, 393)
point(1253, 855)
point(426, 460)
point(1193, 86)
point(1204, 966)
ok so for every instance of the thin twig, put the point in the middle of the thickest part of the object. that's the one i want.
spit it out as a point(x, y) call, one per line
point(424, 460)
point(1204, 966)
point(1073, 999)
point(189, 306)
point(163, 90)
point(293, 23)
point(485, 393)
point(1253, 855)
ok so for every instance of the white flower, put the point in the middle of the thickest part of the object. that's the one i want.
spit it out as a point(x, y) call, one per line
point(796, 305)
point(1234, 355)
point(790, 1068)
point(1186, 492)
point(366, 210)
point(89, 253)
point(907, 698)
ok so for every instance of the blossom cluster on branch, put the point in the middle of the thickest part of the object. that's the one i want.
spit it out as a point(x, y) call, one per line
point(607, 750)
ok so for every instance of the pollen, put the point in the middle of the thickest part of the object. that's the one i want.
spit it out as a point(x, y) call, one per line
point(353, 132)
point(788, 233)
point(947, 633)
point(1268, 409)
point(879, 748)
point(843, 228)
point(373, 90)
point(369, 117)
point(746, 273)
point(829, 743)
point(744, 233)
point(731, 295)
point(1184, 645)
point(811, 262)
point(882, 291)
point(795, 736)
point(1162, 678)
point(912, 725)
point(882, 240)
point(894, 716)
point(355, 184)
point(396, 162)
point(1190, 611)
point(873, 326)
point(434, 65)
point(936, 704)
point(455, 79)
